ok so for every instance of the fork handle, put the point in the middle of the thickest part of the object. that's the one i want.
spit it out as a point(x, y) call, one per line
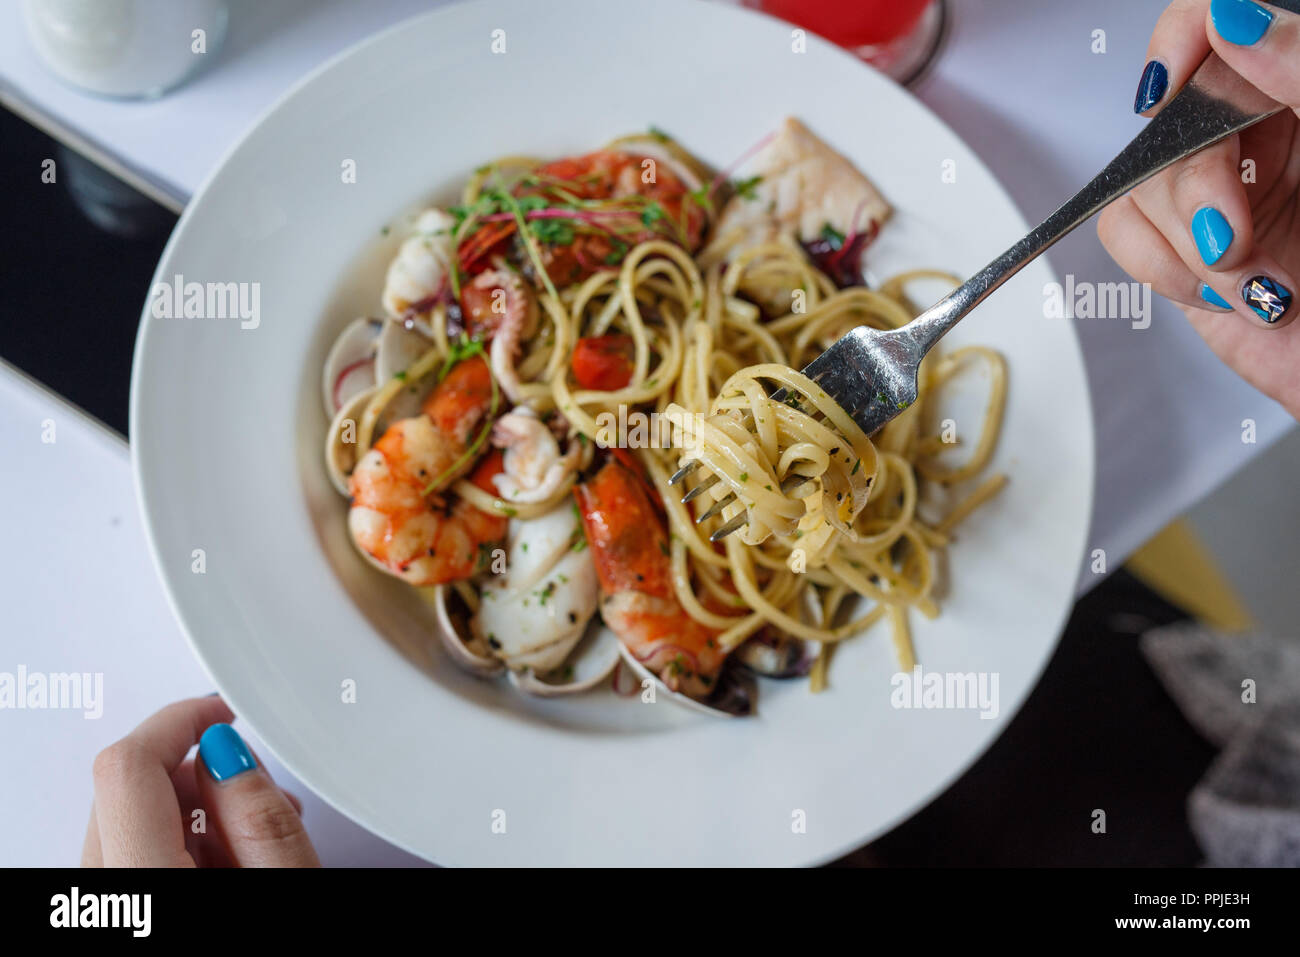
point(1215, 103)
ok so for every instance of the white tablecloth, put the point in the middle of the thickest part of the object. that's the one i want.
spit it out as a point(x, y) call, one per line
point(1019, 81)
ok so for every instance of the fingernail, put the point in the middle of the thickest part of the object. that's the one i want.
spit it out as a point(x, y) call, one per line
point(1212, 233)
point(1208, 295)
point(1267, 297)
point(1152, 87)
point(224, 752)
point(1242, 22)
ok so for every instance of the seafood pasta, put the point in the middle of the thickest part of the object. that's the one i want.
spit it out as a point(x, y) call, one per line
point(555, 347)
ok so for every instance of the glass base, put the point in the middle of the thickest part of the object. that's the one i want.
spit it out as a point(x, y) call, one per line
point(908, 58)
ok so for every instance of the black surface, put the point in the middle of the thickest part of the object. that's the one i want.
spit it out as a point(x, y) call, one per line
point(72, 292)
point(1098, 732)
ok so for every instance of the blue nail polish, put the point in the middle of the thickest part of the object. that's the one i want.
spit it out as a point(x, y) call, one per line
point(1267, 297)
point(224, 752)
point(1242, 22)
point(1152, 87)
point(1213, 298)
point(1212, 233)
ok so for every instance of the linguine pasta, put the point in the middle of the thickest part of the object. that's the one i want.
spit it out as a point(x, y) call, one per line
point(838, 534)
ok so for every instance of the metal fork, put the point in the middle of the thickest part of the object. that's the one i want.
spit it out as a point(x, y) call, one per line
point(872, 373)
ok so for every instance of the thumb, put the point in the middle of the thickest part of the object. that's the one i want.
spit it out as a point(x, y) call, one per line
point(1261, 42)
point(260, 826)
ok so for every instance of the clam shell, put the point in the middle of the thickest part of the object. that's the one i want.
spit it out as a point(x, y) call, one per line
point(592, 661)
point(780, 657)
point(350, 365)
point(732, 699)
point(341, 456)
point(396, 349)
point(452, 633)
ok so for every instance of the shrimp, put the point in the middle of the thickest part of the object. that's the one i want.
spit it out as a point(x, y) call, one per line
point(397, 519)
point(499, 305)
point(650, 198)
point(629, 544)
point(534, 467)
point(419, 273)
point(620, 174)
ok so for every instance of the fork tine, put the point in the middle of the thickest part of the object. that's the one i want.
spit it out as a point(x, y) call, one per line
point(792, 482)
point(788, 484)
point(680, 475)
point(717, 507)
point(700, 489)
point(727, 529)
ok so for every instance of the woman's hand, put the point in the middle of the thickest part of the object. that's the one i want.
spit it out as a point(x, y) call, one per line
point(1219, 232)
point(147, 793)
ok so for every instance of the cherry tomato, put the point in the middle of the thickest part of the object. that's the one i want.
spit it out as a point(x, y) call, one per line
point(603, 362)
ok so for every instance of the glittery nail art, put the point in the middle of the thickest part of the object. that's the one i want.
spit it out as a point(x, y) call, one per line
point(1268, 298)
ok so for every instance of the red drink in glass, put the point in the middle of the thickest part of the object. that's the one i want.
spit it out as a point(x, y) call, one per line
point(851, 24)
point(897, 36)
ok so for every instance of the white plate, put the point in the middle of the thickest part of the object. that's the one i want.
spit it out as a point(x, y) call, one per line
point(227, 429)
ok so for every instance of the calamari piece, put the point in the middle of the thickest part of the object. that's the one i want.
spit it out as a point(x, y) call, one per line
point(533, 615)
point(421, 271)
point(499, 304)
point(534, 467)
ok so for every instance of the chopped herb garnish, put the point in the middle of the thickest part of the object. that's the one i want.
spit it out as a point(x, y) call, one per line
point(556, 232)
point(616, 255)
point(701, 197)
point(832, 236)
point(745, 187)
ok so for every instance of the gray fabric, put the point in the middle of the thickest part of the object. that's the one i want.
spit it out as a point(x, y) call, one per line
point(1245, 812)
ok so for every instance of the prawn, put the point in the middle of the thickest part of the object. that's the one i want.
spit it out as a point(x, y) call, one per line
point(629, 545)
point(397, 517)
